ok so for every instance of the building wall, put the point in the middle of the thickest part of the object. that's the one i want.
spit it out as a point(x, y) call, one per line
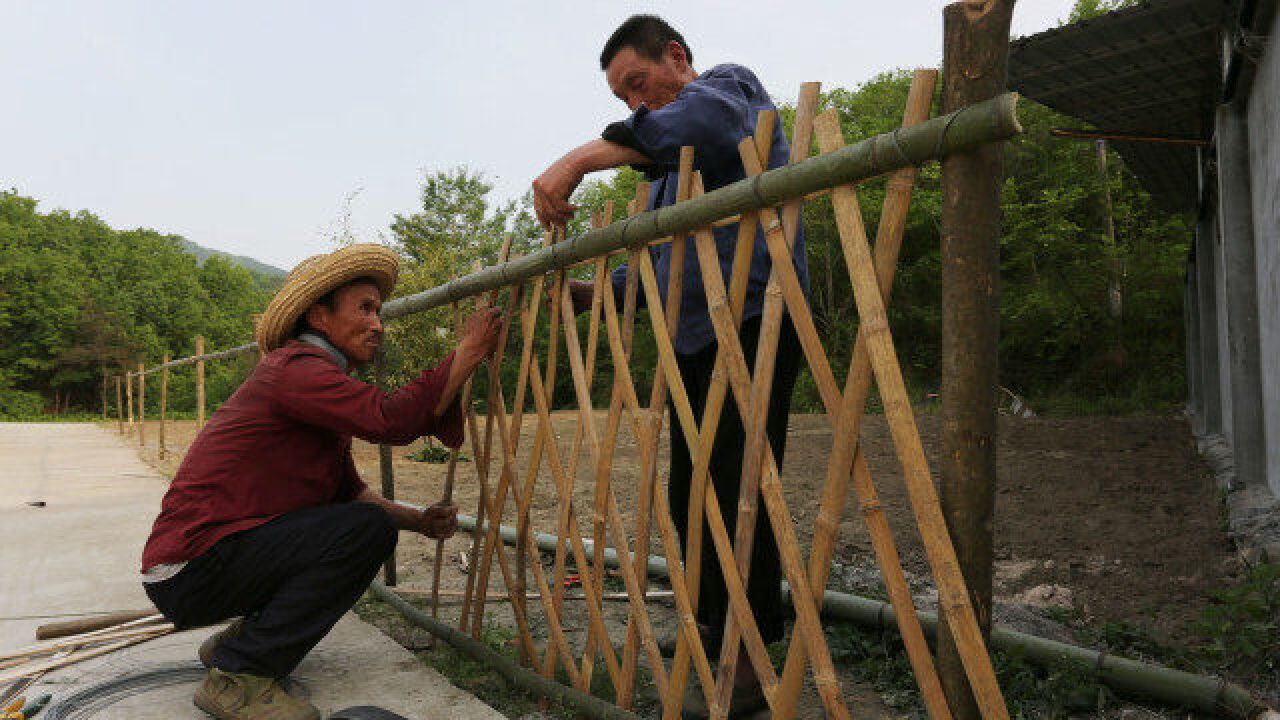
point(1264, 151)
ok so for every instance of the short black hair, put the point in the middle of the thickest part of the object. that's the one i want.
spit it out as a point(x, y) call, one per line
point(648, 35)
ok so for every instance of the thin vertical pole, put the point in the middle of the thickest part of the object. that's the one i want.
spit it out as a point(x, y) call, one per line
point(975, 67)
point(119, 407)
point(128, 388)
point(199, 383)
point(385, 468)
point(104, 393)
point(164, 402)
point(142, 406)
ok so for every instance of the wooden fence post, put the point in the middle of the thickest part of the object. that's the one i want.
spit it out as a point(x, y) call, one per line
point(119, 407)
point(385, 467)
point(128, 389)
point(975, 67)
point(142, 406)
point(164, 402)
point(199, 384)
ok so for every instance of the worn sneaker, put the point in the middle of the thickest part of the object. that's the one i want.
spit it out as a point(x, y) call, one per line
point(213, 641)
point(236, 696)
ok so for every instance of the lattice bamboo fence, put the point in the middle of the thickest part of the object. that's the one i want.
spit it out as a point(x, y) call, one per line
point(537, 283)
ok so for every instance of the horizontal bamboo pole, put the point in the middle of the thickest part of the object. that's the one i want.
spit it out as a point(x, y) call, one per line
point(979, 124)
point(986, 122)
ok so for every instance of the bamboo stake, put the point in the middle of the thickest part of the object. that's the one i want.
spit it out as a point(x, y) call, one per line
point(545, 434)
point(631, 645)
point(953, 597)
point(199, 383)
point(719, 534)
point(845, 448)
point(119, 408)
point(142, 407)
point(559, 564)
point(164, 402)
point(482, 454)
point(713, 404)
point(530, 549)
point(493, 543)
point(761, 393)
point(602, 284)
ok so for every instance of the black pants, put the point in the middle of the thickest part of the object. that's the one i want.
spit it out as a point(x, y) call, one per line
point(291, 578)
point(763, 589)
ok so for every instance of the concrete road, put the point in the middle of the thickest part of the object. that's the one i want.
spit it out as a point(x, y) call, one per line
point(79, 553)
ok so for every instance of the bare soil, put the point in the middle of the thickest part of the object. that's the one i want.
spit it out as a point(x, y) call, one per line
point(1111, 519)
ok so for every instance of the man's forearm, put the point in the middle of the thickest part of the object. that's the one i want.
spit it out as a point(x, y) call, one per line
point(406, 518)
point(601, 154)
point(464, 363)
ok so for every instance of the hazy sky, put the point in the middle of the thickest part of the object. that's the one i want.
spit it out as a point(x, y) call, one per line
point(243, 125)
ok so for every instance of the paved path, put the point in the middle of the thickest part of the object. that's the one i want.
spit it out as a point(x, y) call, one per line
point(79, 555)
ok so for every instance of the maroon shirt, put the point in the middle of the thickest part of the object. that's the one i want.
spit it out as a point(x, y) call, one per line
point(282, 442)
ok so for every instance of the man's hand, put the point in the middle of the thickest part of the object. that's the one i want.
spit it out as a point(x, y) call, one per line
point(551, 193)
point(582, 293)
point(439, 521)
point(552, 189)
point(480, 335)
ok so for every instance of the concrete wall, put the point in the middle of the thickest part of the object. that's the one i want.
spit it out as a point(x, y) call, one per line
point(1233, 285)
point(1264, 150)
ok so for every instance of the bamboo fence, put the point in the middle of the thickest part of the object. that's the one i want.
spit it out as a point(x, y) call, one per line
point(524, 287)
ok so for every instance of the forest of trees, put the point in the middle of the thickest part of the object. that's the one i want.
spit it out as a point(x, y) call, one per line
point(77, 296)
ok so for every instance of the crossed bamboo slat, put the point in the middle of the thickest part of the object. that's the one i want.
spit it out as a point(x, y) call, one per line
point(748, 386)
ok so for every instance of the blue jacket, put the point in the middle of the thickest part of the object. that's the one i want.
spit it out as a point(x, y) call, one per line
point(713, 114)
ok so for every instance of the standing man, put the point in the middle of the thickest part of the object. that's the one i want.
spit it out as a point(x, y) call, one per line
point(649, 66)
point(267, 517)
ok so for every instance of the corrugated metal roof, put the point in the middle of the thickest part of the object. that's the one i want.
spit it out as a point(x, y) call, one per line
point(1152, 69)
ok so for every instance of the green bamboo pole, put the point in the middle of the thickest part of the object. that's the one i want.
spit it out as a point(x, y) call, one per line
point(986, 122)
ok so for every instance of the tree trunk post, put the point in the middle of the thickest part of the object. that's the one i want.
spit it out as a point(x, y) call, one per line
point(142, 406)
point(119, 407)
point(164, 403)
point(385, 468)
point(975, 67)
point(199, 384)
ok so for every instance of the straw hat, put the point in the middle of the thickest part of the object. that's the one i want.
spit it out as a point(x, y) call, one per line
point(317, 276)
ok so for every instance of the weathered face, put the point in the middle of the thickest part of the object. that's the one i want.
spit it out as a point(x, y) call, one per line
point(353, 325)
point(636, 79)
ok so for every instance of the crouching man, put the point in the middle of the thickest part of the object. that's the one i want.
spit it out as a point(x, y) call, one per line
point(267, 519)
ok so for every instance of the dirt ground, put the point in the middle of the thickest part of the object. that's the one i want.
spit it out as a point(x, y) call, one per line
point(1111, 519)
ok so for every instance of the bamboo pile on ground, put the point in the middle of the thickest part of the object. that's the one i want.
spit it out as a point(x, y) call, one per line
point(31, 662)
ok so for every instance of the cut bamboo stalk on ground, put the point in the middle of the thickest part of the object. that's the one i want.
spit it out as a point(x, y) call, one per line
point(29, 669)
point(59, 644)
point(95, 623)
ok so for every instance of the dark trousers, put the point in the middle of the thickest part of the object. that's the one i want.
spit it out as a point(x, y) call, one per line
point(291, 578)
point(763, 589)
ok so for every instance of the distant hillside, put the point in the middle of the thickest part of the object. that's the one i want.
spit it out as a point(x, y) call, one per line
point(268, 272)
